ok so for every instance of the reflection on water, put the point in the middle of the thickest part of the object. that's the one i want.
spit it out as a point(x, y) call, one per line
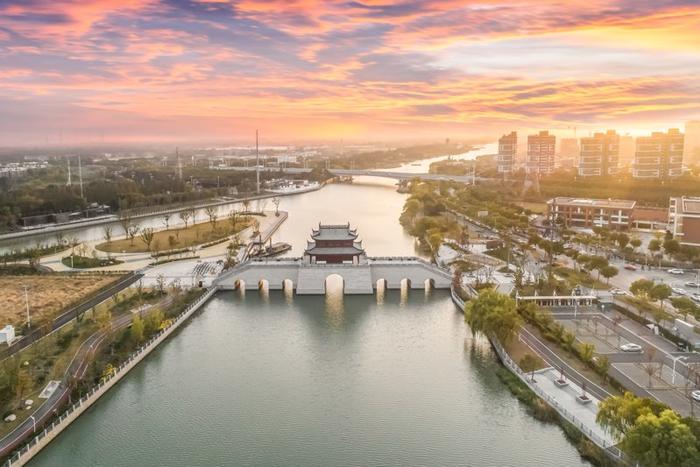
point(335, 306)
point(318, 382)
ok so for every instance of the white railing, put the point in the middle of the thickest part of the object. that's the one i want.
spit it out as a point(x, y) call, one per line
point(611, 450)
point(30, 449)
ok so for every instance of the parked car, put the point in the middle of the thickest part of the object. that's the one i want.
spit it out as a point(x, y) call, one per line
point(695, 297)
point(617, 291)
point(678, 291)
point(695, 395)
point(631, 347)
point(692, 284)
point(676, 272)
point(630, 267)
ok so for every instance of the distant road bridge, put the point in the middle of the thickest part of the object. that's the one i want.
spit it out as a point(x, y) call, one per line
point(310, 279)
point(368, 173)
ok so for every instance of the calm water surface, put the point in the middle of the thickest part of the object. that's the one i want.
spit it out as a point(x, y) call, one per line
point(314, 381)
point(317, 381)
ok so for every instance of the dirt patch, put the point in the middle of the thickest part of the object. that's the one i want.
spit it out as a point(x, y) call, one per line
point(48, 295)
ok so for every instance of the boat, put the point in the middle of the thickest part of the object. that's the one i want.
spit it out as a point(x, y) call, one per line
point(273, 250)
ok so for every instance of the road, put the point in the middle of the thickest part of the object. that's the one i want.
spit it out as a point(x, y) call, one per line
point(69, 315)
point(76, 370)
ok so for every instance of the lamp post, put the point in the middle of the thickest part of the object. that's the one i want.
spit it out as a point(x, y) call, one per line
point(26, 301)
point(33, 423)
point(673, 377)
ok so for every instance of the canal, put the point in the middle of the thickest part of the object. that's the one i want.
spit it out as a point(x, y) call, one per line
point(270, 379)
point(314, 381)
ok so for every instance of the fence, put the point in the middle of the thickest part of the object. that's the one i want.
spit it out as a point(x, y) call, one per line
point(610, 450)
point(26, 453)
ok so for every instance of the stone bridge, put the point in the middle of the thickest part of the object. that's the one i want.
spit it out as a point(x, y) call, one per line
point(310, 279)
point(370, 173)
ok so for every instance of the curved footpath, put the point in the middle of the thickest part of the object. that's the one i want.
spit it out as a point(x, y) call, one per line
point(76, 370)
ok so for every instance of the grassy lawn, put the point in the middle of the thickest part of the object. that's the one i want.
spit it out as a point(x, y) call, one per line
point(48, 295)
point(648, 309)
point(197, 234)
point(87, 262)
point(49, 358)
point(574, 278)
point(517, 350)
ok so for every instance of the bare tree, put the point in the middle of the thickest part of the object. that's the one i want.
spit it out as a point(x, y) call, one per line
point(233, 217)
point(246, 205)
point(125, 221)
point(276, 202)
point(107, 233)
point(166, 220)
point(185, 216)
point(132, 232)
point(211, 213)
point(160, 283)
point(146, 237)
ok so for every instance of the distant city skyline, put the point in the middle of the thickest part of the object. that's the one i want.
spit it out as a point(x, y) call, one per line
point(192, 71)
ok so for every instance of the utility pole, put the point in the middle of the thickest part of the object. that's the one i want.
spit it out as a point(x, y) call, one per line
point(26, 301)
point(179, 163)
point(80, 176)
point(257, 164)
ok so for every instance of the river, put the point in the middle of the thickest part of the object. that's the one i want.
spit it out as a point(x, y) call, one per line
point(96, 233)
point(270, 379)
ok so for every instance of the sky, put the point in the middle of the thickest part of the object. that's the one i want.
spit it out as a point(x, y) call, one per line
point(80, 71)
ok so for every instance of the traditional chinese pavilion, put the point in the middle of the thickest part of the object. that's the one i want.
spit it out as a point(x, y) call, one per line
point(334, 244)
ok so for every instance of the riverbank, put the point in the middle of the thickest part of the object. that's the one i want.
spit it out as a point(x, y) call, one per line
point(549, 405)
point(32, 448)
point(156, 212)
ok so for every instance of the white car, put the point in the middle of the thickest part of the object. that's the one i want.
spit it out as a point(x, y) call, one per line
point(631, 347)
point(692, 284)
point(678, 290)
point(695, 395)
point(676, 272)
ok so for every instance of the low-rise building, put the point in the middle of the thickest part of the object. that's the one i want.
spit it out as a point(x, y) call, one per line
point(588, 213)
point(684, 220)
point(7, 334)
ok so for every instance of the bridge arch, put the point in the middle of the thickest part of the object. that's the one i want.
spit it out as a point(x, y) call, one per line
point(334, 283)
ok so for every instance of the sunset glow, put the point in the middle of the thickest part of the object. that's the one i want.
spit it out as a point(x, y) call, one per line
point(188, 70)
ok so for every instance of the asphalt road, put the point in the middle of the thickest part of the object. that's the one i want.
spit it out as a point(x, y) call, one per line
point(76, 370)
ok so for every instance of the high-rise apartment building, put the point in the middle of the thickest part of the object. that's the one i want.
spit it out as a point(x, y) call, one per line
point(599, 155)
point(540, 153)
point(659, 155)
point(568, 153)
point(627, 149)
point(507, 150)
point(692, 141)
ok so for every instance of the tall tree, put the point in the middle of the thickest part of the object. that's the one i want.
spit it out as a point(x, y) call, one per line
point(662, 441)
point(494, 315)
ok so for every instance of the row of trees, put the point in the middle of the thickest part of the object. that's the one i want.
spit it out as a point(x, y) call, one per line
point(650, 432)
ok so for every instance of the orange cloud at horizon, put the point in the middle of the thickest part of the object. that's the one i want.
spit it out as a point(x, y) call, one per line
point(312, 70)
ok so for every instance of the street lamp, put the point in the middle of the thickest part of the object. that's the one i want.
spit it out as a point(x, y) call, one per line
point(33, 422)
point(673, 377)
point(26, 301)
